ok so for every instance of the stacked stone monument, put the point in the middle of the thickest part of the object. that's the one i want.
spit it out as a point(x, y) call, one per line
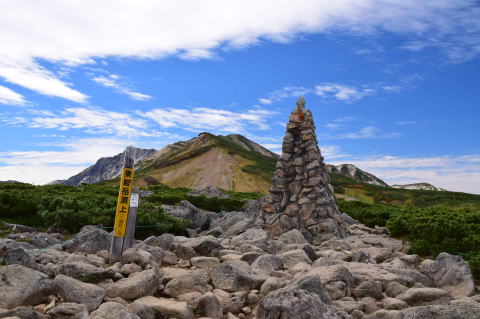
point(301, 196)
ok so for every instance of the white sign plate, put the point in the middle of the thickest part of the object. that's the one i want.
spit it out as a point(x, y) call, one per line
point(134, 200)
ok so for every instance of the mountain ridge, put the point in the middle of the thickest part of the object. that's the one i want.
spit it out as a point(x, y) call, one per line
point(231, 162)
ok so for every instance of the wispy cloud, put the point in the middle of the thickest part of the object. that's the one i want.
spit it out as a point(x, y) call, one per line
point(93, 120)
point(115, 82)
point(342, 92)
point(10, 97)
point(33, 33)
point(283, 93)
point(40, 167)
point(203, 118)
point(366, 132)
point(31, 75)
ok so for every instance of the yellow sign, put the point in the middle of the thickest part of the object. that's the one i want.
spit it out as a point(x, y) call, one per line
point(123, 202)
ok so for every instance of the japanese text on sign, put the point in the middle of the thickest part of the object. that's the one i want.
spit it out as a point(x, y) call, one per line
point(123, 202)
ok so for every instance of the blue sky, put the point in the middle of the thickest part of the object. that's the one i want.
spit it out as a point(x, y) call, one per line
point(393, 85)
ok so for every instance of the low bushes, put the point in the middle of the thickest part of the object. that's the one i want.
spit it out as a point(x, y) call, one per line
point(430, 231)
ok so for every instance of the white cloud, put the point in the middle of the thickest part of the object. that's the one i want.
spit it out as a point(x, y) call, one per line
point(40, 167)
point(455, 173)
point(407, 122)
point(10, 97)
point(113, 81)
point(27, 73)
point(80, 31)
point(203, 118)
point(342, 92)
point(366, 132)
point(94, 120)
point(283, 93)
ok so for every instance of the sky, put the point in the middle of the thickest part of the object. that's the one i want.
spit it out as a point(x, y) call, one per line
point(394, 85)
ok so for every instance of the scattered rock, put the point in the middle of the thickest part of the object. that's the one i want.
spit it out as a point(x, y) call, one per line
point(112, 310)
point(425, 296)
point(84, 272)
point(234, 276)
point(190, 282)
point(291, 258)
point(22, 286)
point(293, 236)
point(453, 274)
point(69, 310)
point(72, 290)
point(204, 262)
point(368, 288)
point(210, 306)
point(141, 310)
point(89, 240)
point(198, 218)
point(209, 191)
point(168, 307)
point(267, 263)
point(137, 285)
point(306, 299)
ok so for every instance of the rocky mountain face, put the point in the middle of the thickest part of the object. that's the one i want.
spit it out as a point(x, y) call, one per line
point(230, 162)
point(105, 168)
point(422, 186)
point(355, 173)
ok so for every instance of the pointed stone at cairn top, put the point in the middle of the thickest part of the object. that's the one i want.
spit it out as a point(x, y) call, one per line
point(301, 196)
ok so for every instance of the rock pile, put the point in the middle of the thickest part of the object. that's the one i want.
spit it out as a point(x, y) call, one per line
point(239, 274)
point(301, 196)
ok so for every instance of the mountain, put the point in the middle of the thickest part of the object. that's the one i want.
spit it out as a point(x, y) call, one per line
point(230, 162)
point(105, 168)
point(422, 186)
point(355, 173)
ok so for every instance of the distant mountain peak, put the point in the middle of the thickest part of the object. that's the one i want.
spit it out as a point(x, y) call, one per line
point(355, 173)
point(422, 185)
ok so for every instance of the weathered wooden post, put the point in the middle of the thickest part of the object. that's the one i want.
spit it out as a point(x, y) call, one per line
point(123, 206)
point(132, 218)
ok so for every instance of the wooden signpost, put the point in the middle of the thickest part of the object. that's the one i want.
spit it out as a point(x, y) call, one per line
point(126, 213)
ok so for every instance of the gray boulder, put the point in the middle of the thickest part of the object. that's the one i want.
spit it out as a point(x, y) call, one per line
point(453, 274)
point(37, 239)
point(234, 276)
point(167, 308)
point(461, 311)
point(72, 290)
point(267, 263)
point(209, 191)
point(304, 299)
point(198, 218)
point(139, 256)
point(113, 310)
point(368, 288)
point(89, 240)
point(137, 285)
point(251, 236)
point(190, 282)
point(84, 272)
point(141, 310)
point(18, 256)
point(22, 313)
point(293, 236)
point(21, 286)
point(425, 296)
point(210, 306)
point(69, 310)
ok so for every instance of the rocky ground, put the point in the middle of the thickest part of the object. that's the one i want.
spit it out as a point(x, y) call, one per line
point(230, 270)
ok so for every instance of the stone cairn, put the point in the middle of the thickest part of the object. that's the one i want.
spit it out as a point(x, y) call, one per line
point(301, 196)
